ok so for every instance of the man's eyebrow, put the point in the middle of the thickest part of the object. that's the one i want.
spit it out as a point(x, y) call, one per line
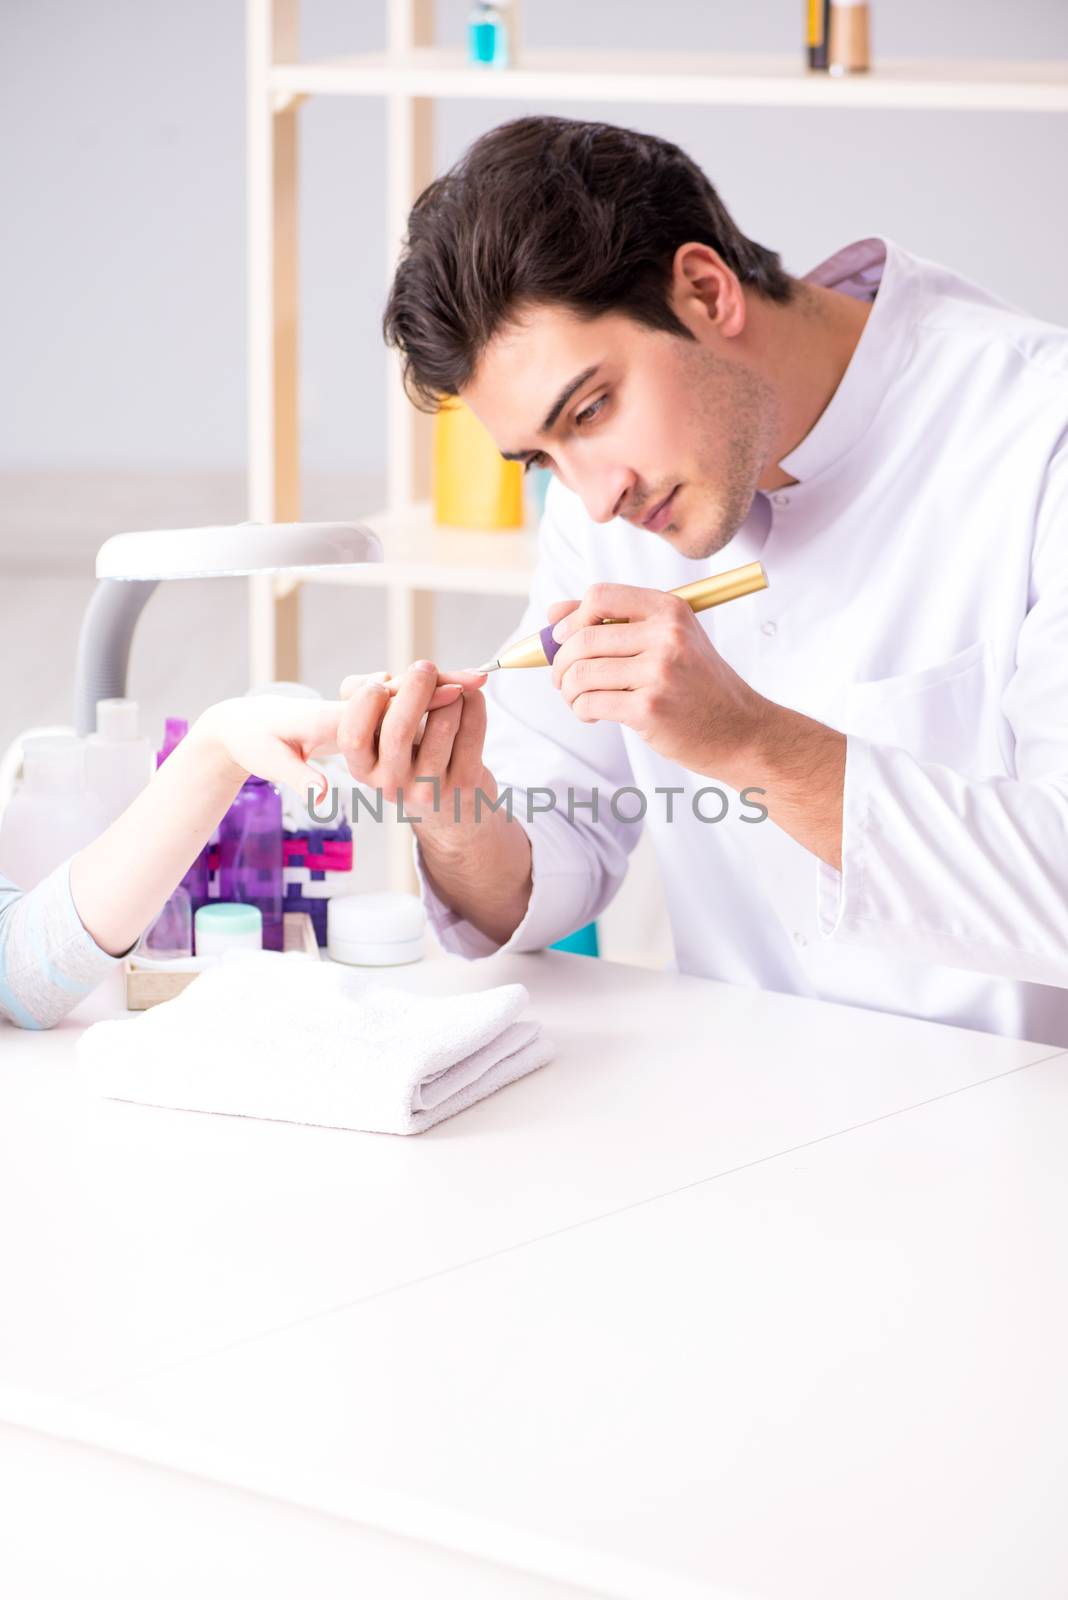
point(555, 409)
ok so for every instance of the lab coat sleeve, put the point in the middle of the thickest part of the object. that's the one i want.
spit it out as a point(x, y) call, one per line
point(48, 961)
point(560, 773)
point(967, 872)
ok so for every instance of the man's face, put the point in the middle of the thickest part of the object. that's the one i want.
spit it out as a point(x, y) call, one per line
point(655, 415)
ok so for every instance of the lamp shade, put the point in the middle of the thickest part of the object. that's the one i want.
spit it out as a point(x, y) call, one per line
point(130, 565)
point(234, 551)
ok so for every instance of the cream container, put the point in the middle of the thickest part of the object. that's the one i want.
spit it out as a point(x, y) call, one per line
point(227, 925)
point(375, 930)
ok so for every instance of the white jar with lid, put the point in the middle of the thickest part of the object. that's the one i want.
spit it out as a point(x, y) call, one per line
point(375, 930)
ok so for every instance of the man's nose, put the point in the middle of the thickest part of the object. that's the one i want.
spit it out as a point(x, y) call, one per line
point(604, 491)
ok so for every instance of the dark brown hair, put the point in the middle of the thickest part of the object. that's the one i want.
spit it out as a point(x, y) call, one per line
point(548, 211)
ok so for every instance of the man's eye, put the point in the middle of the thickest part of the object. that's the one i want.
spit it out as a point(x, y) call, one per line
point(582, 420)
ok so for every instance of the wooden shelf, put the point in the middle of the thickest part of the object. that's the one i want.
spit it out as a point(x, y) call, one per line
point(422, 559)
point(693, 78)
point(421, 555)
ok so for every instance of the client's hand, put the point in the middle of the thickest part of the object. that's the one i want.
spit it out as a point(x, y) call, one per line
point(448, 690)
point(271, 736)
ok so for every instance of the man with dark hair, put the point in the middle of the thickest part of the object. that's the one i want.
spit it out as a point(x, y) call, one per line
point(892, 442)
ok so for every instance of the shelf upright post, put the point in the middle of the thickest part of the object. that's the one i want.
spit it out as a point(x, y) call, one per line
point(410, 142)
point(272, 223)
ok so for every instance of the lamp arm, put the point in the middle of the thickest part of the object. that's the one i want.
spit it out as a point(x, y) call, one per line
point(104, 645)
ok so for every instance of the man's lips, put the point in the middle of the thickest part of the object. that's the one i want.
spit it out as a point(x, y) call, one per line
point(660, 517)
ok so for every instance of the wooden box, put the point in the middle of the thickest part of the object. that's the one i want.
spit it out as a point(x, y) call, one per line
point(145, 989)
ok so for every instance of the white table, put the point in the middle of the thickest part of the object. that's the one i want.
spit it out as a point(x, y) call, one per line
point(742, 1295)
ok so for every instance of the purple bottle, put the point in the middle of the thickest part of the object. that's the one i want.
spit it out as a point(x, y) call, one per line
point(195, 882)
point(250, 855)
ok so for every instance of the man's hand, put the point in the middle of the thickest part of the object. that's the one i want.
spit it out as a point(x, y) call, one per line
point(478, 861)
point(658, 674)
point(394, 733)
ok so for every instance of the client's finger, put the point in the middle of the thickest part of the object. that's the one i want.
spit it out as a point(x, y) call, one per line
point(449, 687)
point(443, 696)
point(467, 677)
point(288, 768)
point(356, 680)
point(446, 694)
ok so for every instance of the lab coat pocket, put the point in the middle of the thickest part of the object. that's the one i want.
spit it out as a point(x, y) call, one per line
point(946, 713)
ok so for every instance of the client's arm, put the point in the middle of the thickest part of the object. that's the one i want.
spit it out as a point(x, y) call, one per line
point(121, 881)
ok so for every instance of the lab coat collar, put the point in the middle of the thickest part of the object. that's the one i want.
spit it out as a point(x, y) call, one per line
point(875, 270)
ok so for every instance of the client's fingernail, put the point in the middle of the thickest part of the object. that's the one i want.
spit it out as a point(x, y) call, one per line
point(560, 631)
point(421, 666)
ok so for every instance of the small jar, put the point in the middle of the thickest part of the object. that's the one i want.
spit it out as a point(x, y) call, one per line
point(375, 930)
point(224, 925)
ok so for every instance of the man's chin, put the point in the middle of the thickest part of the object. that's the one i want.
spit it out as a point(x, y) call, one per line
point(701, 545)
point(699, 541)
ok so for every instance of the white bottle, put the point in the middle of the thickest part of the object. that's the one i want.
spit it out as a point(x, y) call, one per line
point(118, 761)
point(51, 814)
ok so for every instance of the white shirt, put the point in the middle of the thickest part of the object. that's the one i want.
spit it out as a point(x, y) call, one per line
point(918, 602)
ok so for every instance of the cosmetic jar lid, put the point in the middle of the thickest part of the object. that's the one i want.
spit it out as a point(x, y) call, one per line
point(227, 925)
point(375, 930)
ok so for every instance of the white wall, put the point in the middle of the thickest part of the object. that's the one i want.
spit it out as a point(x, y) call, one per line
point(121, 273)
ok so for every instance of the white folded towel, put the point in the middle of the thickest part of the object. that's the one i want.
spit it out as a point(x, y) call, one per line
point(293, 1039)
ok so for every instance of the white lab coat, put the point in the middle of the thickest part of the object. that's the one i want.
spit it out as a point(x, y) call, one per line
point(918, 602)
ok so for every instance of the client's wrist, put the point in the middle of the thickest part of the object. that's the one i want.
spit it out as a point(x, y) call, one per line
point(207, 751)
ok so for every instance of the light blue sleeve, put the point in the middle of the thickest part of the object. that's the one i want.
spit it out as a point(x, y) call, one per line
point(48, 960)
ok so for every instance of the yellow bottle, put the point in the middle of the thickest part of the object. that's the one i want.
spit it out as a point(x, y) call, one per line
point(473, 486)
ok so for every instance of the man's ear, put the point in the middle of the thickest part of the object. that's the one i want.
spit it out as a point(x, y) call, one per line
point(706, 294)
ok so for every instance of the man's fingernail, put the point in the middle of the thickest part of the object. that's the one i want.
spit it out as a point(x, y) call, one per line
point(421, 666)
point(560, 631)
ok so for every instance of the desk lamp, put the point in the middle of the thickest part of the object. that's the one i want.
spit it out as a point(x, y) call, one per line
point(130, 565)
